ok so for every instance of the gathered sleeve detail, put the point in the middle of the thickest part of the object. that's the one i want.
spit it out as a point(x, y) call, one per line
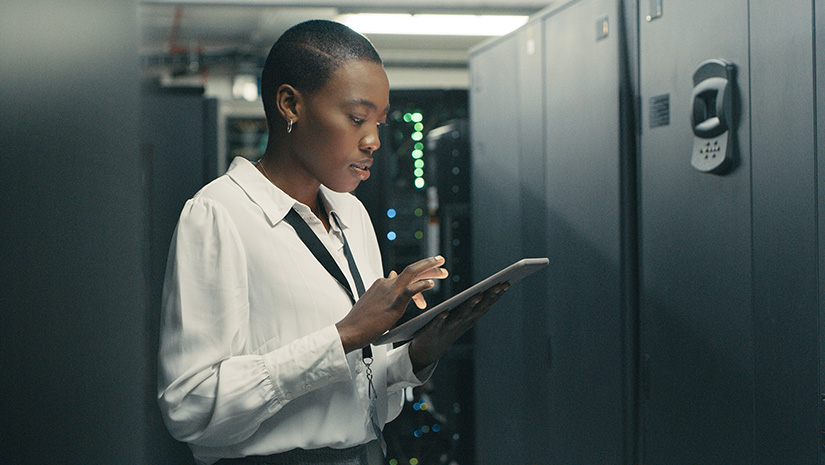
point(400, 370)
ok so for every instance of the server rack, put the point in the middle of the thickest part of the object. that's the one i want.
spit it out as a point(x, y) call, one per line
point(549, 174)
point(679, 321)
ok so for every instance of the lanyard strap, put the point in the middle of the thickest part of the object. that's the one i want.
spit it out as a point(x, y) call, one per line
point(323, 256)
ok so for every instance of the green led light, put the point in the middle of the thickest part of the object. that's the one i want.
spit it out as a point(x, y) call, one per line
point(407, 117)
point(420, 235)
point(419, 163)
point(419, 211)
point(413, 461)
point(419, 126)
point(417, 153)
point(393, 462)
point(417, 117)
point(417, 136)
point(419, 146)
point(419, 183)
point(418, 173)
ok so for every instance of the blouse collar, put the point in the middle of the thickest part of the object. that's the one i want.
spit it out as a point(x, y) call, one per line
point(276, 203)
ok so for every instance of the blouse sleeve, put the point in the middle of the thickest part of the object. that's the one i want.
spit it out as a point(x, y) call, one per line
point(209, 391)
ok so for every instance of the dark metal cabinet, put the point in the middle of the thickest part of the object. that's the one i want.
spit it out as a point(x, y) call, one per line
point(729, 310)
point(583, 208)
point(695, 249)
point(547, 164)
point(679, 321)
point(496, 219)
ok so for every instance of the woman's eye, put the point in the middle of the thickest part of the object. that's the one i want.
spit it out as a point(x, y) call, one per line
point(357, 120)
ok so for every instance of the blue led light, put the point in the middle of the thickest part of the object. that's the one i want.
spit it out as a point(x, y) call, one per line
point(436, 428)
point(391, 213)
point(391, 235)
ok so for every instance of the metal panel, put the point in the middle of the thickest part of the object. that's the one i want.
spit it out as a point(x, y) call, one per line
point(819, 45)
point(695, 250)
point(784, 232)
point(535, 351)
point(75, 382)
point(583, 214)
point(496, 243)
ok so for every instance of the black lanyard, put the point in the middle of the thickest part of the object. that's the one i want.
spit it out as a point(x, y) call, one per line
point(323, 256)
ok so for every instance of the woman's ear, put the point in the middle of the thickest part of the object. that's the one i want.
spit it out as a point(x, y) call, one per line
point(287, 101)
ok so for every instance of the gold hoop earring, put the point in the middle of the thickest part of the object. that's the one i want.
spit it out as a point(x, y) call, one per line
point(289, 126)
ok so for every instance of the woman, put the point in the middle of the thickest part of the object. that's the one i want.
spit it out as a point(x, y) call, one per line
point(264, 354)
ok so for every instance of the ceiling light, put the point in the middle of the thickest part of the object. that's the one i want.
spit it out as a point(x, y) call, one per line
point(447, 25)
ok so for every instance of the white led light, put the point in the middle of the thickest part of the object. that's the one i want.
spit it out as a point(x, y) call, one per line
point(454, 25)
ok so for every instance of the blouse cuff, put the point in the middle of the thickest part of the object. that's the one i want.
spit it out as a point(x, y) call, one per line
point(400, 370)
point(312, 362)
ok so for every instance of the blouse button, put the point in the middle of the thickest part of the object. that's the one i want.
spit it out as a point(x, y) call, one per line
point(308, 387)
point(288, 396)
point(358, 368)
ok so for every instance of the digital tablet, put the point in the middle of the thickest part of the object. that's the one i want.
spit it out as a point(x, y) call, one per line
point(511, 274)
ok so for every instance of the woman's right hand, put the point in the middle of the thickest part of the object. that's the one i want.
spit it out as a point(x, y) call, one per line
point(386, 300)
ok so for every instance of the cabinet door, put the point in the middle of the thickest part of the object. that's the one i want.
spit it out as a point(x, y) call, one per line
point(496, 220)
point(696, 338)
point(786, 313)
point(584, 217)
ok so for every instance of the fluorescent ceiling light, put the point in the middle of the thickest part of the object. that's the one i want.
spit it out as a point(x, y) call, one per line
point(447, 25)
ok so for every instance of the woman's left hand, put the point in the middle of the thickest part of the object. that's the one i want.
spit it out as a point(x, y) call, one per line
point(430, 343)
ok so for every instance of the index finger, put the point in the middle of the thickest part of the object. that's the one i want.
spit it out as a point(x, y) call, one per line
point(414, 271)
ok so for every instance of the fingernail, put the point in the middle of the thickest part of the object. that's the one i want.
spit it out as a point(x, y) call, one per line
point(438, 257)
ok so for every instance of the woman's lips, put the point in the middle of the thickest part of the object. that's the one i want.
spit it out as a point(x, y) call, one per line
point(362, 169)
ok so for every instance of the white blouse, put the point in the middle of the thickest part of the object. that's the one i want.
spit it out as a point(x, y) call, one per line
point(251, 362)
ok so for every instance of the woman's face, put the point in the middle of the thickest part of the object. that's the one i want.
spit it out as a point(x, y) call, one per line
point(338, 125)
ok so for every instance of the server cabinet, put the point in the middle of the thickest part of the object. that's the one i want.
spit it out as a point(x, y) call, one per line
point(786, 309)
point(496, 240)
point(547, 163)
point(729, 311)
point(695, 247)
point(584, 220)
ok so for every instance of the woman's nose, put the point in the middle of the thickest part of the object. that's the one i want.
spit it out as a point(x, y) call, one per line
point(371, 142)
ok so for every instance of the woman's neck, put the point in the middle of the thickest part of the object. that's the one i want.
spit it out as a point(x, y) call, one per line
point(300, 188)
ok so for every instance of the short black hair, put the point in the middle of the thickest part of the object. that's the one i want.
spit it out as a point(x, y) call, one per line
point(306, 55)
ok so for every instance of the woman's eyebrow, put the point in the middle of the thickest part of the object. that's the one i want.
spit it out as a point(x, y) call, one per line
point(365, 102)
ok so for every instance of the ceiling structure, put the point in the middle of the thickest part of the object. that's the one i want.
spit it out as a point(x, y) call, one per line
point(190, 37)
